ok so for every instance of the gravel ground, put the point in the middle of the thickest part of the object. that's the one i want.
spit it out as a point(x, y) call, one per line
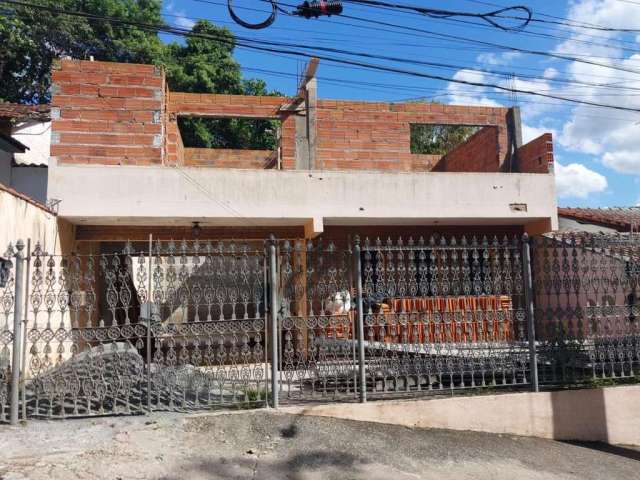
point(270, 445)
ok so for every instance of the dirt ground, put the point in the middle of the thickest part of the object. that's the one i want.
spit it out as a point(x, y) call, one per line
point(269, 445)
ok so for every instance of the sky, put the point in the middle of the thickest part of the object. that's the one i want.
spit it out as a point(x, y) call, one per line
point(597, 149)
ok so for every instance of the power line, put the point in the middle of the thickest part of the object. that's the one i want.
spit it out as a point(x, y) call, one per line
point(475, 69)
point(386, 87)
point(473, 25)
point(625, 69)
point(571, 23)
point(415, 29)
point(430, 35)
point(316, 9)
point(251, 44)
point(488, 17)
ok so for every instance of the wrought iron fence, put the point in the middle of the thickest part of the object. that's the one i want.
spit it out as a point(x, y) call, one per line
point(444, 313)
point(195, 325)
point(587, 307)
point(169, 326)
point(7, 303)
point(317, 349)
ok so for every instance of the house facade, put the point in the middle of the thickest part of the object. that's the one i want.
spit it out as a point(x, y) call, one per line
point(25, 138)
point(192, 277)
point(120, 170)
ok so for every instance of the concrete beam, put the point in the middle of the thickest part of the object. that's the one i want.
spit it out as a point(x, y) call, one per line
point(314, 228)
point(145, 195)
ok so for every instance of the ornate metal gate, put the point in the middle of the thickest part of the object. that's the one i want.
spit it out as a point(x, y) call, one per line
point(402, 318)
point(587, 298)
point(7, 304)
point(444, 313)
point(317, 342)
point(206, 324)
point(165, 326)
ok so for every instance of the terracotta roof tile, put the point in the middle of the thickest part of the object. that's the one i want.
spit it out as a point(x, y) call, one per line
point(620, 218)
point(25, 112)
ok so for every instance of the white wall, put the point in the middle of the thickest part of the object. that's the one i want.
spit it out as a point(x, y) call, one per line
point(20, 219)
point(610, 415)
point(28, 172)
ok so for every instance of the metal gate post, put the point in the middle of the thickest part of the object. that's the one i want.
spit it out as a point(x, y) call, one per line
point(530, 312)
point(360, 327)
point(273, 276)
point(17, 336)
point(149, 322)
point(23, 366)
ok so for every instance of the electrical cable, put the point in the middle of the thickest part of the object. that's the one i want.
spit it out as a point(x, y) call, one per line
point(430, 34)
point(440, 13)
point(260, 46)
point(490, 71)
point(275, 8)
point(310, 9)
point(570, 23)
point(479, 42)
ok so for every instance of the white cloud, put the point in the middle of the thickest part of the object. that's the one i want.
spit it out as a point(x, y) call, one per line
point(550, 73)
point(576, 180)
point(461, 94)
point(179, 17)
point(623, 161)
point(614, 135)
point(497, 59)
point(530, 132)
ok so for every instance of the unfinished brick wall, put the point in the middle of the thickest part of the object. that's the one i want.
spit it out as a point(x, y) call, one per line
point(350, 135)
point(537, 155)
point(233, 106)
point(376, 136)
point(224, 158)
point(480, 153)
point(122, 114)
point(107, 113)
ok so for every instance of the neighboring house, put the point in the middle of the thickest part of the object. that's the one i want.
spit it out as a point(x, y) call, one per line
point(121, 171)
point(25, 140)
point(605, 220)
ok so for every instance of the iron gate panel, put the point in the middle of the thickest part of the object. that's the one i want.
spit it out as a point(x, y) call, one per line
point(187, 325)
point(317, 357)
point(587, 297)
point(83, 342)
point(209, 325)
point(443, 314)
point(180, 326)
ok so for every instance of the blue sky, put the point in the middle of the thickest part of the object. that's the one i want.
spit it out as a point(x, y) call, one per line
point(597, 149)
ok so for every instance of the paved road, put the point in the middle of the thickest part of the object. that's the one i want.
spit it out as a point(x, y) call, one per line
point(263, 445)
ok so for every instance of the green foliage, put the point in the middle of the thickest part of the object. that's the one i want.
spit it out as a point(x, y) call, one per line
point(438, 139)
point(208, 66)
point(30, 40)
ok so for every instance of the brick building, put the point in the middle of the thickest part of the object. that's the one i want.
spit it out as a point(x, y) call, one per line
point(121, 171)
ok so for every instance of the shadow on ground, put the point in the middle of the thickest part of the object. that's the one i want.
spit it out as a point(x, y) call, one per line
point(620, 451)
point(325, 464)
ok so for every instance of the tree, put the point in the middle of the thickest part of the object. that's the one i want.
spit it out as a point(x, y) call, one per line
point(439, 139)
point(30, 39)
point(203, 65)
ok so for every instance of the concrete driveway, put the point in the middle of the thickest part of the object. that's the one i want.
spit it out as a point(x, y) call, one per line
point(268, 445)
